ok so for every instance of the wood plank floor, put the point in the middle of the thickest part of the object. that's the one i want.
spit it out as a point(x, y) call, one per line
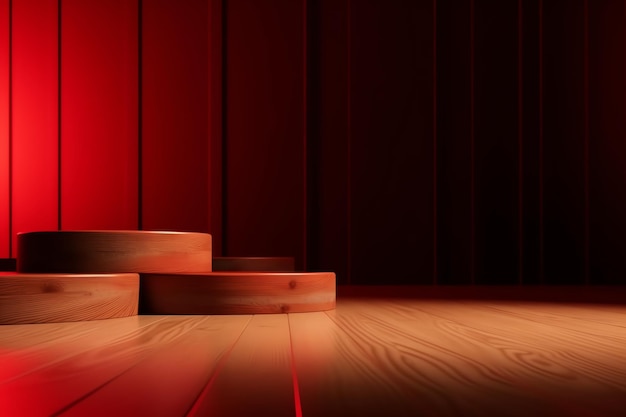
point(376, 355)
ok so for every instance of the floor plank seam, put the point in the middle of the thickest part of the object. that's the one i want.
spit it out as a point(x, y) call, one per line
point(104, 384)
point(65, 358)
point(88, 394)
point(294, 374)
point(195, 406)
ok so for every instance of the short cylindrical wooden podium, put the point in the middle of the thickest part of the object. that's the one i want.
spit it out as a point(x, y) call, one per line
point(97, 251)
point(237, 292)
point(49, 298)
point(97, 274)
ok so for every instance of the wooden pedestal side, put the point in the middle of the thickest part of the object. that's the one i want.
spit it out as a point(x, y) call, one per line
point(114, 252)
point(258, 264)
point(237, 293)
point(50, 298)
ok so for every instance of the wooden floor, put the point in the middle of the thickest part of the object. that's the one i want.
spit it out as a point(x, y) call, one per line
point(372, 356)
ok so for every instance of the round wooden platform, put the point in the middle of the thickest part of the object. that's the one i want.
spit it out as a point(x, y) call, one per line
point(50, 298)
point(237, 293)
point(258, 264)
point(97, 251)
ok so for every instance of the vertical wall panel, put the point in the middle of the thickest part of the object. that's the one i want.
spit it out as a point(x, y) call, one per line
point(265, 156)
point(99, 114)
point(35, 116)
point(564, 126)
point(226, 147)
point(391, 150)
point(530, 142)
point(216, 116)
point(607, 106)
point(454, 144)
point(4, 130)
point(496, 141)
point(328, 193)
point(175, 117)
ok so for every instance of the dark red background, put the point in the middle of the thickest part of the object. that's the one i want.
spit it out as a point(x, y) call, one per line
point(396, 141)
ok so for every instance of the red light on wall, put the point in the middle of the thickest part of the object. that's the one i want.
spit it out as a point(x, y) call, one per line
point(175, 100)
point(34, 110)
point(99, 114)
point(4, 129)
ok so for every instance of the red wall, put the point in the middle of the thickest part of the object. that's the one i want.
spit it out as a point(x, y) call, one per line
point(475, 143)
point(35, 116)
point(393, 141)
point(104, 116)
point(175, 154)
point(264, 158)
point(5, 166)
point(98, 138)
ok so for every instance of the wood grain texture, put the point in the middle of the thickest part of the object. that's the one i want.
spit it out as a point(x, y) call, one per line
point(55, 387)
point(520, 359)
point(443, 372)
point(113, 251)
point(338, 376)
point(256, 378)
point(371, 356)
point(28, 348)
point(190, 363)
point(237, 292)
point(50, 298)
point(265, 264)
